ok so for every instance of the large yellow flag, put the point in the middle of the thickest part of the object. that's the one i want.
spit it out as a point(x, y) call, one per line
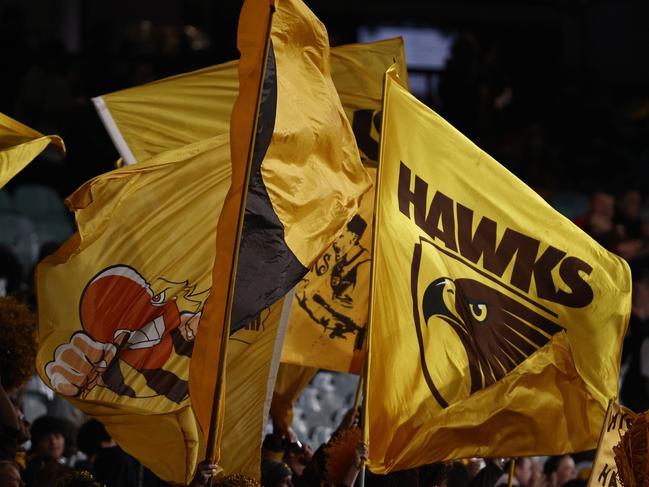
point(185, 106)
point(182, 109)
point(329, 313)
point(305, 182)
point(496, 323)
point(119, 303)
point(19, 145)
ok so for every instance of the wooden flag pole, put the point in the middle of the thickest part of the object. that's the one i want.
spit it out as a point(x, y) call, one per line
point(217, 400)
point(512, 465)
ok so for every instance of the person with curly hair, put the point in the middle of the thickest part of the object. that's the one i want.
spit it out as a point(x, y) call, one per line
point(17, 359)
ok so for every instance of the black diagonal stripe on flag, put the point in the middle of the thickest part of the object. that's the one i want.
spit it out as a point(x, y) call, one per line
point(267, 269)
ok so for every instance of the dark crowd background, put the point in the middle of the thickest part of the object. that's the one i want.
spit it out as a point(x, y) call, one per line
point(557, 91)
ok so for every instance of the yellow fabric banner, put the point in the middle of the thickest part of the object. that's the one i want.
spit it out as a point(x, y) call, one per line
point(179, 110)
point(175, 111)
point(357, 71)
point(329, 313)
point(119, 303)
point(291, 381)
point(252, 352)
point(19, 145)
point(496, 324)
point(604, 472)
point(303, 138)
point(326, 329)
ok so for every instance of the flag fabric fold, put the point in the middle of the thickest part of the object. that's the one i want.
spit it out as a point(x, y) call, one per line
point(290, 382)
point(253, 358)
point(19, 145)
point(305, 183)
point(120, 302)
point(496, 324)
point(329, 312)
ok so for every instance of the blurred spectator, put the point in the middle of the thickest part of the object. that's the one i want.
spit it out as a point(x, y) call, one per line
point(9, 474)
point(46, 462)
point(628, 214)
point(628, 218)
point(525, 473)
point(275, 474)
point(559, 470)
point(297, 457)
point(11, 271)
point(598, 221)
point(17, 364)
point(635, 384)
point(108, 463)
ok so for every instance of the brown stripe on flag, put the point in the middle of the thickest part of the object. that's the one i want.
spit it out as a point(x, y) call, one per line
point(267, 269)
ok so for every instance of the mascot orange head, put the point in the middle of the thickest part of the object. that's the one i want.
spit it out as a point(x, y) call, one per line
point(118, 306)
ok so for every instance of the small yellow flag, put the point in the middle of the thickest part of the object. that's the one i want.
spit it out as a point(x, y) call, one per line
point(496, 324)
point(604, 472)
point(170, 113)
point(291, 381)
point(119, 303)
point(19, 145)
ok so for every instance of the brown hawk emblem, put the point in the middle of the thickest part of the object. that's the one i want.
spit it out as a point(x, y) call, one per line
point(496, 331)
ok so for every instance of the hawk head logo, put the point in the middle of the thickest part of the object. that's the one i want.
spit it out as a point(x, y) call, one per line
point(471, 334)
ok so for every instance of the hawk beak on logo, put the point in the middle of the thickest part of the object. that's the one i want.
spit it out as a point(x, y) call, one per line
point(439, 300)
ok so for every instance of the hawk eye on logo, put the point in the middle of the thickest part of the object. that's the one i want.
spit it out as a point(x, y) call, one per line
point(467, 325)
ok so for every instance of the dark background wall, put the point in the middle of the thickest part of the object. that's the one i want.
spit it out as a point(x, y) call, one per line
point(556, 90)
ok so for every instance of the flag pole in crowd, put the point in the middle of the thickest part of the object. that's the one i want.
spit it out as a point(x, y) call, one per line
point(512, 466)
point(375, 226)
point(225, 333)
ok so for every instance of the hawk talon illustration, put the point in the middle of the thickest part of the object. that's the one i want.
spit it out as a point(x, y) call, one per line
point(496, 331)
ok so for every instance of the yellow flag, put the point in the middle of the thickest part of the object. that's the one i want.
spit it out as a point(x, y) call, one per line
point(305, 183)
point(617, 421)
point(497, 324)
point(291, 380)
point(357, 71)
point(119, 303)
point(145, 115)
point(253, 358)
point(329, 313)
point(170, 113)
point(19, 145)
